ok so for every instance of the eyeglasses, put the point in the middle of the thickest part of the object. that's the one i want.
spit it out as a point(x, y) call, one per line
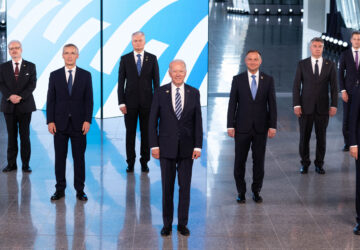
point(13, 48)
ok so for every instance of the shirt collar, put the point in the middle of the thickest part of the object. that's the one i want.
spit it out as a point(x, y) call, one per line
point(174, 86)
point(73, 69)
point(20, 61)
point(353, 50)
point(256, 74)
point(142, 54)
point(313, 59)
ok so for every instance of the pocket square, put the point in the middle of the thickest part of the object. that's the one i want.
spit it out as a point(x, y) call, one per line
point(27, 74)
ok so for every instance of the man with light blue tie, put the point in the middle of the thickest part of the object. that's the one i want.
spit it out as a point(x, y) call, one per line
point(138, 78)
point(251, 118)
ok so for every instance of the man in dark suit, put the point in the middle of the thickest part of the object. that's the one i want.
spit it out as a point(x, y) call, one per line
point(314, 76)
point(349, 76)
point(17, 82)
point(354, 139)
point(69, 112)
point(140, 70)
point(251, 119)
point(175, 135)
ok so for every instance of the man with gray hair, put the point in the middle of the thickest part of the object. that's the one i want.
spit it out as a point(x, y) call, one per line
point(314, 77)
point(138, 78)
point(17, 83)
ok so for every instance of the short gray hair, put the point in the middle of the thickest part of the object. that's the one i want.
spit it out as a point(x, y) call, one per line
point(317, 39)
point(14, 41)
point(71, 45)
point(138, 33)
point(177, 61)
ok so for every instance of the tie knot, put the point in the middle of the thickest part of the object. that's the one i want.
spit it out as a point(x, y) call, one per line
point(70, 71)
point(177, 89)
point(356, 51)
point(16, 63)
point(138, 55)
point(316, 61)
point(253, 77)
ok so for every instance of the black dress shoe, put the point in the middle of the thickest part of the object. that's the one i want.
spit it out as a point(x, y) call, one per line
point(241, 198)
point(357, 229)
point(257, 198)
point(81, 196)
point(165, 231)
point(144, 168)
point(183, 230)
point(346, 148)
point(304, 169)
point(57, 196)
point(319, 170)
point(130, 168)
point(26, 169)
point(9, 168)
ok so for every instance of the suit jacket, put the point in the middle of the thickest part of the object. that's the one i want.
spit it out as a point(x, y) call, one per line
point(176, 138)
point(349, 76)
point(312, 93)
point(354, 121)
point(23, 87)
point(244, 113)
point(60, 105)
point(138, 90)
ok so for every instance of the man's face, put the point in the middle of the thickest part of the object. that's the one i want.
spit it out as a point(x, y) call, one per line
point(138, 42)
point(316, 49)
point(355, 41)
point(70, 55)
point(15, 50)
point(177, 73)
point(253, 61)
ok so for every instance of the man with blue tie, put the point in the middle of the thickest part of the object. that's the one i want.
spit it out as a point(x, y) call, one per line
point(138, 78)
point(69, 112)
point(251, 118)
point(175, 137)
point(349, 77)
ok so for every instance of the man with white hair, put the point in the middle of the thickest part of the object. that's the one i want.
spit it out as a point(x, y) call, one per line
point(17, 83)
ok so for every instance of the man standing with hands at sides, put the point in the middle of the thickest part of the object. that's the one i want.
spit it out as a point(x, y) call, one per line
point(175, 136)
point(314, 76)
point(251, 119)
point(69, 111)
point(349, 77)
point(17, 82)
point(140, 71)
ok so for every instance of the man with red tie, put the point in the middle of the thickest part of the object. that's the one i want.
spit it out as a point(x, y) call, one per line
point(17, 83)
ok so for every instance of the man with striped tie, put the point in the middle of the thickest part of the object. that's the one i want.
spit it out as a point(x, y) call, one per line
point(175, 137)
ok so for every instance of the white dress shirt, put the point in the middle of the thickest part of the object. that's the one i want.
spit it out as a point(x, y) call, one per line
point(256, 78)
point(14, 65)
point(354, 54)
point(313, 62)
point(67, 74)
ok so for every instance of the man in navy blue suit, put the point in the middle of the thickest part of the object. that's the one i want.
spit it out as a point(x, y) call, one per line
point(69, 112)
point(175, 136)
point(349, 77)
point(251, 119)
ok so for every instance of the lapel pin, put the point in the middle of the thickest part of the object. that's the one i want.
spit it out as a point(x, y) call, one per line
point(24, 65)
point(326, 62)
point(261, 77)
point(146, 59)
point(167, 91)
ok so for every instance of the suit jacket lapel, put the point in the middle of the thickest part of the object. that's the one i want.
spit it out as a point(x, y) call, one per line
point(145, 62)
point(186, 100)
point(246, 81)
point(169, 94)
point(63, 76)
point(324, 67)
point(76, 80)
point(22, 71)
point(260, 85)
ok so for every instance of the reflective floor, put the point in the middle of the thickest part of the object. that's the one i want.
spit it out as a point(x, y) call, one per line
point(124, 210)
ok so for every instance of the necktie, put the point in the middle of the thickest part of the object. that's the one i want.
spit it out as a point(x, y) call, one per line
point(316, 68)
point(178, 107)
point(16, 71)
point(70, 81)
point(253, 87)
point(138, 64)
point(357, 59)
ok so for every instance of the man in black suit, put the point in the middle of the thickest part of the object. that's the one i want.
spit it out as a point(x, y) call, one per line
point(354, 139)
point(251, 119)
point(69, 112)
point(17, 82)
point(175, 135)
point(314, 76)
point(349, 76)
point(140, 70)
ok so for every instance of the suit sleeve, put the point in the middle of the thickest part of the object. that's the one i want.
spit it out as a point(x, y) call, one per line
point(89, 101)
point(354, 117)
point(3, 87)
point(50, 102)
point(333, 86)
point(154, 120)
point(198, 122)
point(121, 81)
point(272, 105)
point(232, 107)
point(156, 76)
point(31, 84)
point(342, 67)
point(297, 86)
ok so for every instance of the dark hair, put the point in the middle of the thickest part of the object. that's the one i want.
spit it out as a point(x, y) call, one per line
point(356, 32)
point(317, 39)
point(253, 51)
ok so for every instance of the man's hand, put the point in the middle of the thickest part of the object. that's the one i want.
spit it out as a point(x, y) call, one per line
point(332, 111)
point(344, 96)
point(271, 132)
point(155, 152)
point(196, 154)
point(123, 110)
point(85, 128)
point(52, 128)
point(15, 99)
point(231, 132)
point(354, 152)
point(297, 111)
